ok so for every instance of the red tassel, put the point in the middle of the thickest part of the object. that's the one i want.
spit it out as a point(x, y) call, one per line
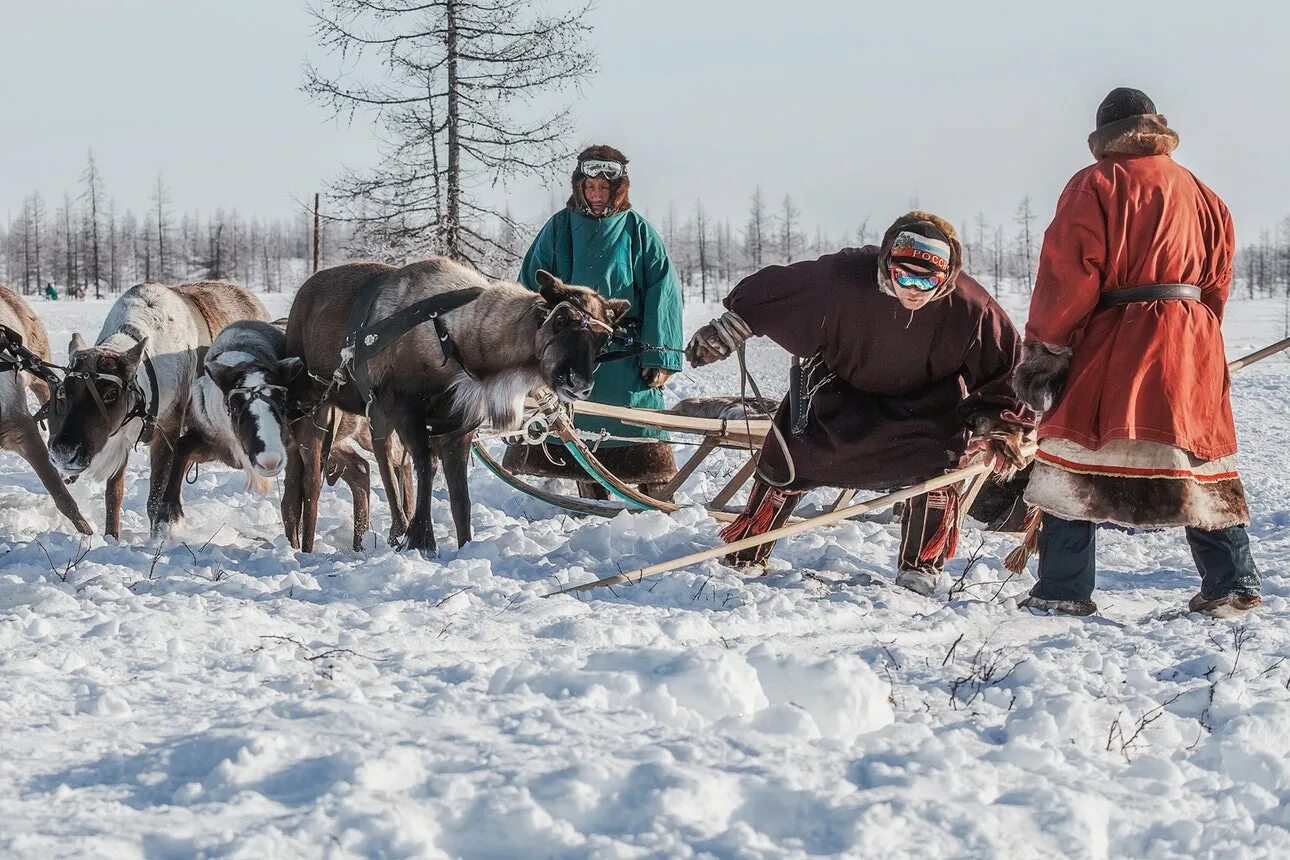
point(1016, 560)
point(946, 538)
point(755, 521)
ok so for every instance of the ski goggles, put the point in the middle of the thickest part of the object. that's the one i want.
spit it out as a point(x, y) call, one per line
point(923, 282)
point(610, 170)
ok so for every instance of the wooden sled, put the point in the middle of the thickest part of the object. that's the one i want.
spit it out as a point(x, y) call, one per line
point(713, 433)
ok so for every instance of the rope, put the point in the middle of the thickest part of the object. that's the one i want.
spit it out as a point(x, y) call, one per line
point(747, 381)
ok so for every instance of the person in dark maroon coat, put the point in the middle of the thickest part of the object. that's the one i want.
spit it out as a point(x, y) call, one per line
point(907, 366)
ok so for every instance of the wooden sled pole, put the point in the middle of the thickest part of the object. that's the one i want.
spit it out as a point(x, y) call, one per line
point(1259, 355)
point(879, 503)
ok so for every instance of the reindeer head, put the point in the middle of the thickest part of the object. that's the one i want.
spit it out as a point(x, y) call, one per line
point(255, 396)
point(93, 402)
point(578, 324)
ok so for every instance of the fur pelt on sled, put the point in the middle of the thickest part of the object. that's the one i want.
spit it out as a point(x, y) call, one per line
point(638, 463)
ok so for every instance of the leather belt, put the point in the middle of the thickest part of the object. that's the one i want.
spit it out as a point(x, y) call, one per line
point(1149, 293)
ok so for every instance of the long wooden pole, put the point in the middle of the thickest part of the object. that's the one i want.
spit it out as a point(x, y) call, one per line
point(877, 504)
point(836, 516)
point(1259, 355)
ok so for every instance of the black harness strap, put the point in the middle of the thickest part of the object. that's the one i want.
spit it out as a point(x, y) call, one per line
point(367, 340)
point(16, 357)
point(147, 411)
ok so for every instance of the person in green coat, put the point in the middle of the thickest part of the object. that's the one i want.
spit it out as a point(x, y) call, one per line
point(599, 241)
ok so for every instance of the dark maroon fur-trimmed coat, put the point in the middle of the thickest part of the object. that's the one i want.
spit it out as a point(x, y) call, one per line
point(908, 385)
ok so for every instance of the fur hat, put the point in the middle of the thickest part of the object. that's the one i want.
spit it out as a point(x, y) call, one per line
point(1122, 103)
point(1127, 124)
point(618, 188)
point(933, 227)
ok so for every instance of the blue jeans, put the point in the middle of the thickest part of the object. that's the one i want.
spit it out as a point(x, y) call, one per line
point(1068, 560)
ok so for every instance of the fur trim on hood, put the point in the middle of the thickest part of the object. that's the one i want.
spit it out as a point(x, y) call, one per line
point(932, 226)
point(1146, 134)
point(618, 188)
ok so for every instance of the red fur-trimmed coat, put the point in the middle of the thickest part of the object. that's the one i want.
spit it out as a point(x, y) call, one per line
point(1148, 370)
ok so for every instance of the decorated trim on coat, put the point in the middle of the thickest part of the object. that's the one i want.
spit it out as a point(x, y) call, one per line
point(1144, 503)
point(1135, 458)
point(1130, 472)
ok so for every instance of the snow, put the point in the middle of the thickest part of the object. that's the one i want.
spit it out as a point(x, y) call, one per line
point(223, 695)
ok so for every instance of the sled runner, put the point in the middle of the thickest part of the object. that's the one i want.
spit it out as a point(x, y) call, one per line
point(548, 421)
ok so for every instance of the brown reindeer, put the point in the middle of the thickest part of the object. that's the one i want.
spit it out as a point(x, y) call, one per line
point(508, 342)
point(133, 384)
point(18, 430)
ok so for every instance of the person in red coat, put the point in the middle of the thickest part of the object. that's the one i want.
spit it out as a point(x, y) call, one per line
point(908, 366)
point(1124, 358)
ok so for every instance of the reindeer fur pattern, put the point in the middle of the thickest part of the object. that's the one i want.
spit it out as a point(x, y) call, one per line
point(255, 347)
point(508, 341)
point(167, 325)
point(18, 431)
point(174, 327)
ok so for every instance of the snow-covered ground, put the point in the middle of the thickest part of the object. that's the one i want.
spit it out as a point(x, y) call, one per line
point(229, 697)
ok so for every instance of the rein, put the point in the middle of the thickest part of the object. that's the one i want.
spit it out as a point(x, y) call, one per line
point(18, 358)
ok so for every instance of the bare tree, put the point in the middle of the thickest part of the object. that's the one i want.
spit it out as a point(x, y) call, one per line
point(789, 216)
point(701, 234)
point(756, 235)
point(67, 240)
point(998, 258)
point(862, 232)
point(1026, 243)
point(93, 193)
point(161, 198)
point(455, 76)
point(977, 259)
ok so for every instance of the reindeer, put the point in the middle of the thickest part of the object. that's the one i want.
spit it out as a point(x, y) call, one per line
point(496, 349)
point(133, 385)
point(240, 414)
point(18, 430)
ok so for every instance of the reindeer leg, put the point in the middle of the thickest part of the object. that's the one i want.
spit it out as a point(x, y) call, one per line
point(112, 497)
point(409, 420)
point(292, 500)
point(191, 448)
point(406, 485)
point(356, 474)
point(455, 451)
point(161, 454)
point(309, 438)
point(27, 442)
point(398, 495)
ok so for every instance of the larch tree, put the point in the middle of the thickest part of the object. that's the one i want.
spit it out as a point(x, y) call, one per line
point(756, 235)
point(93, 197)
point(456, 87)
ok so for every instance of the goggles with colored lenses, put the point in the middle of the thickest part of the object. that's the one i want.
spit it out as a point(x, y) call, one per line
point(923, 282)
point(610, 170)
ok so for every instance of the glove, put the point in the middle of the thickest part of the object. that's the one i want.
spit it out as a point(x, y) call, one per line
point(1000, 444)
point(1041, 375)
point(655, 377)
point(717, 339)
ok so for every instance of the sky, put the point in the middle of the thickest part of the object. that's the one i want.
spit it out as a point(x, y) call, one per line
point(856, 109)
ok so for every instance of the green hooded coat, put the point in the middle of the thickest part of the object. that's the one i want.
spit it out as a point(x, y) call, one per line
point(620, 256)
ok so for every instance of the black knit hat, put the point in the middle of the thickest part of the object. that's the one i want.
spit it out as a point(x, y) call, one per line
point(1123, 102)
